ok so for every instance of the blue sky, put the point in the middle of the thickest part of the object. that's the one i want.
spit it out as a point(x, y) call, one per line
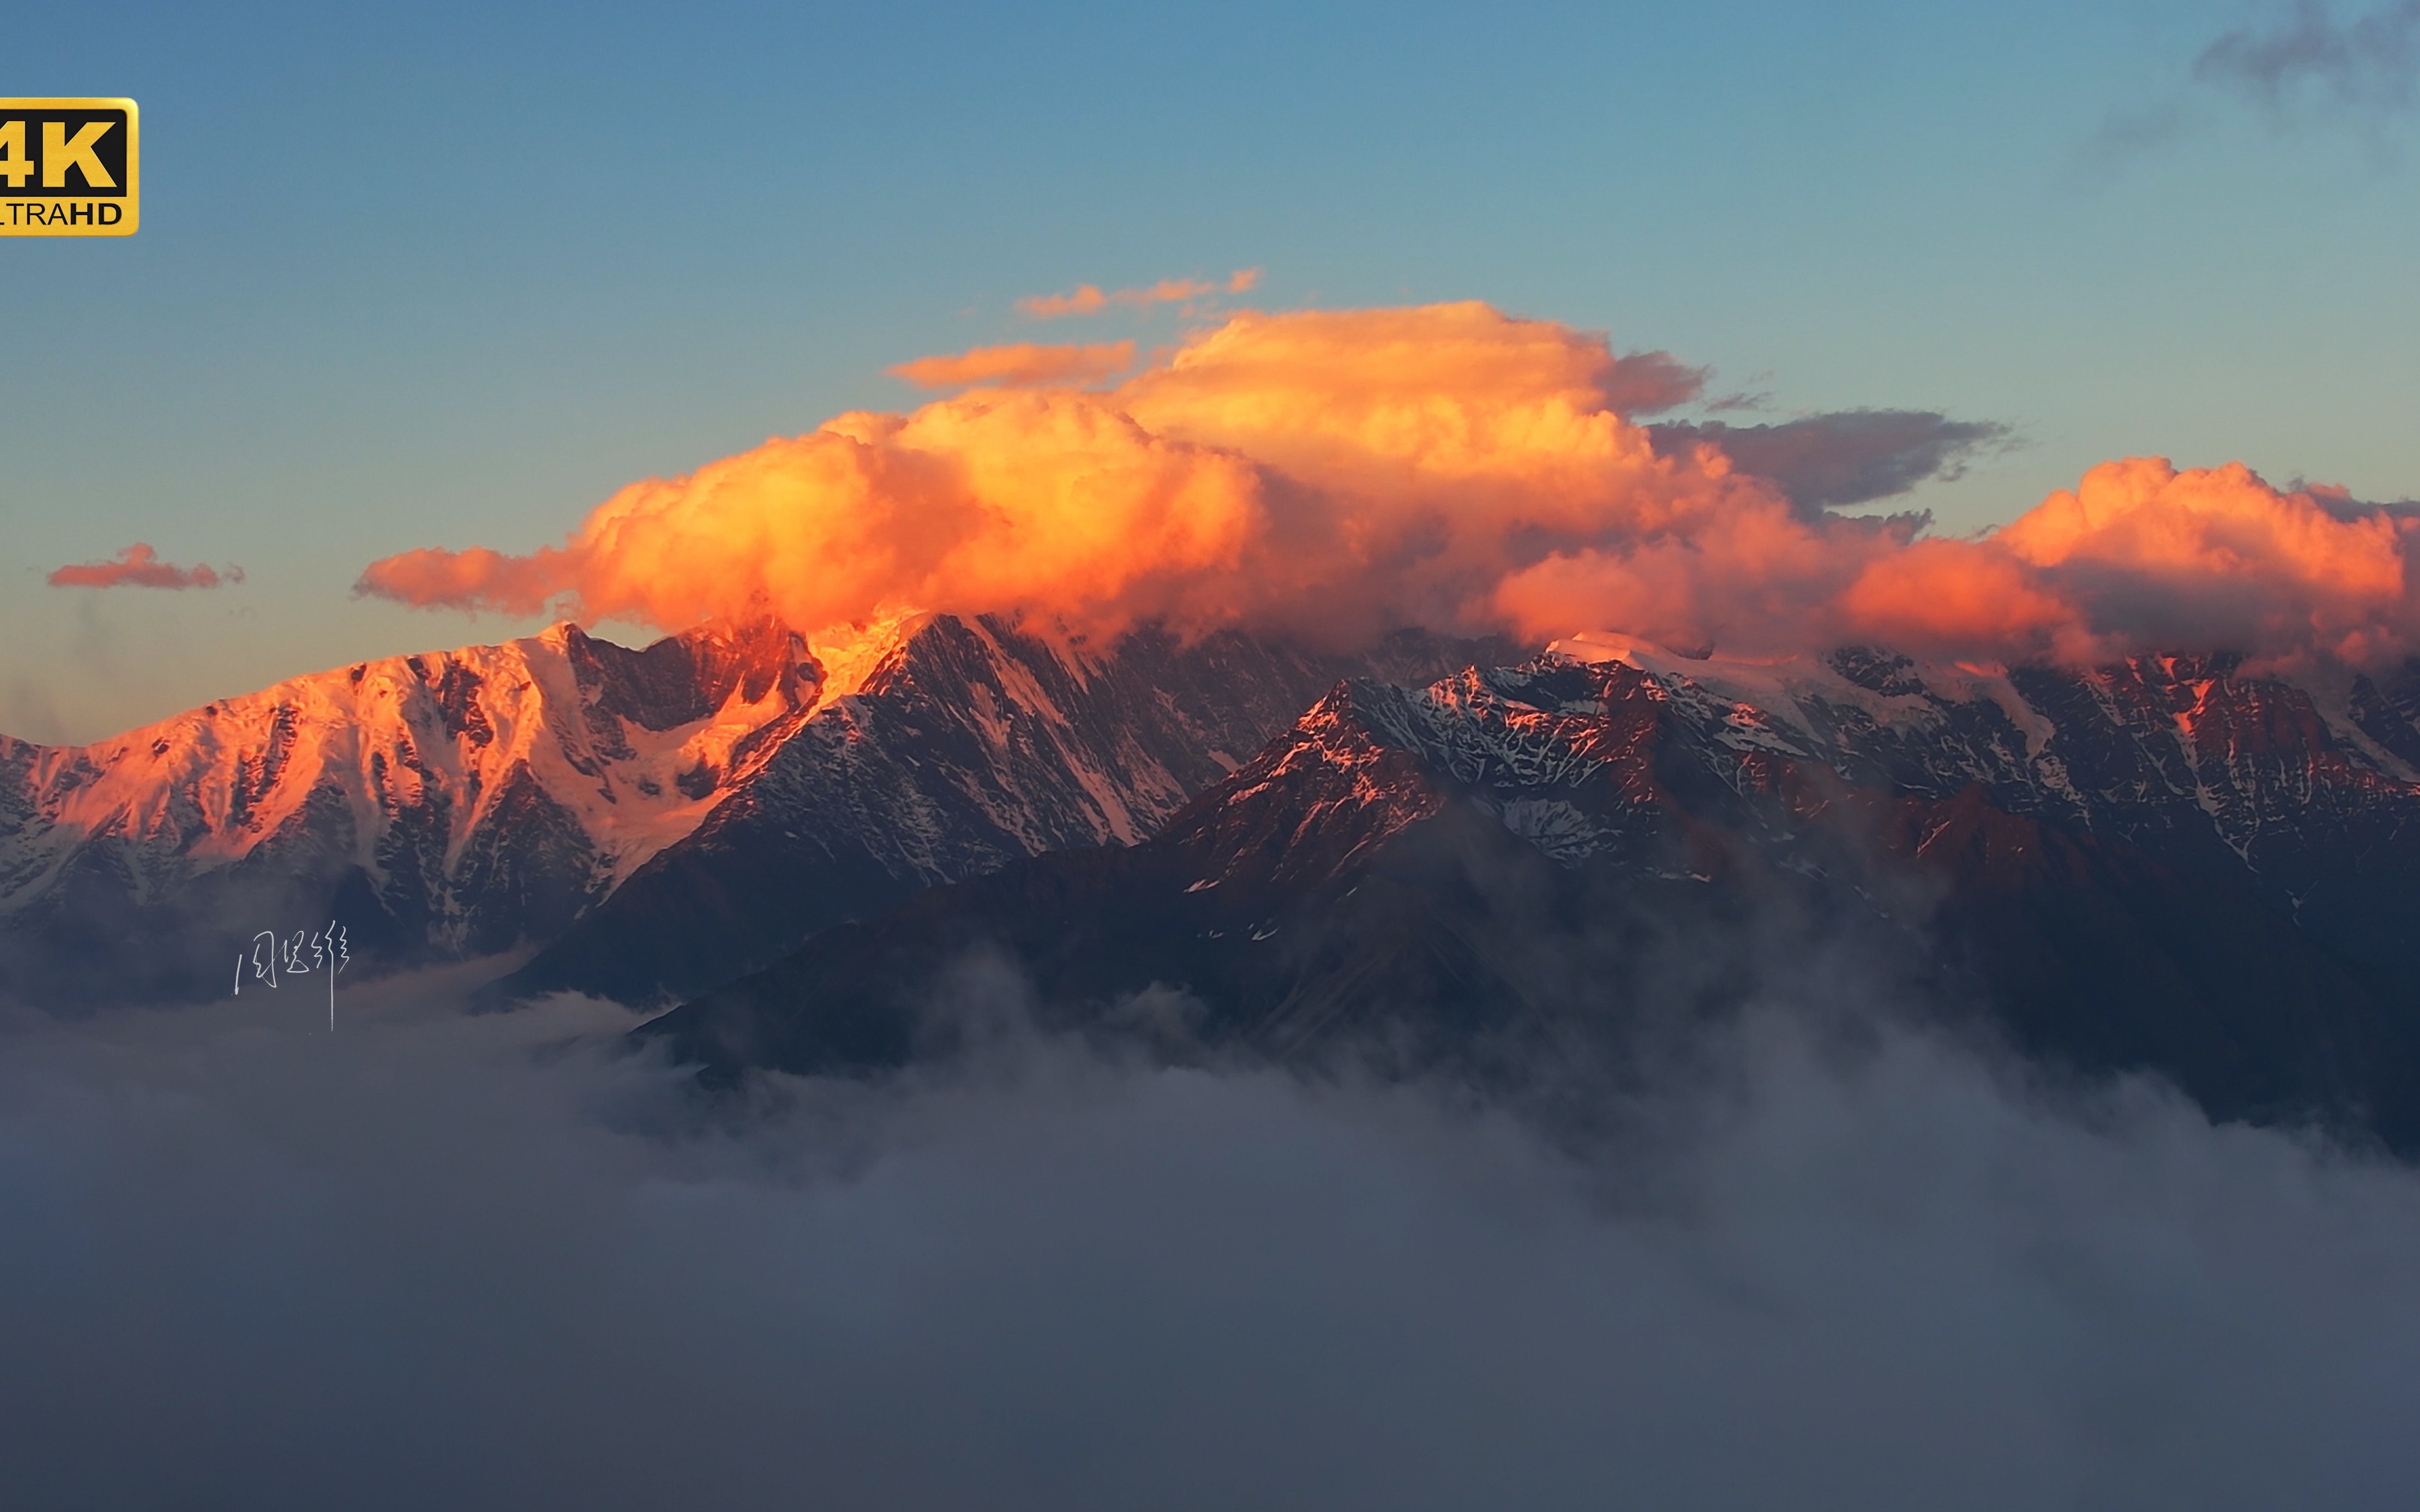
point(449, 275)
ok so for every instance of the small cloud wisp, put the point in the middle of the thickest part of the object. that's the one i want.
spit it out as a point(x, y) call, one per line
point(2371, 61)
point(1088, 299)
point(139, 566)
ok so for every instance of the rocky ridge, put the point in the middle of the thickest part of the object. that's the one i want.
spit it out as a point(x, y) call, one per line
point(741, 791)
point(2164, 864)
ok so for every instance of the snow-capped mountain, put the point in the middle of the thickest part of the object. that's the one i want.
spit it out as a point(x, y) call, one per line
point(2162, 863)
point(440, 805)
point(743, 791)
point(957, 747)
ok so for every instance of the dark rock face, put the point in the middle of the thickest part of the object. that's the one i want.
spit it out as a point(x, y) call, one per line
point(970, 745)
point(681, 679)
point(2160, 865)
point(2388, 712)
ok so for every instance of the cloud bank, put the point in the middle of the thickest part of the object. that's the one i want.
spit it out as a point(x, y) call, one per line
point(477, 1262)
point(139, 566)
point(1333, 474)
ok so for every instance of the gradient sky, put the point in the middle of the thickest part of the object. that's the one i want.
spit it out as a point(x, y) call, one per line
point(447, 276)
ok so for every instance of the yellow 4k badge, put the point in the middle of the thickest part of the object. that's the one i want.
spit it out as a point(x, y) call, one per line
point(67, 168)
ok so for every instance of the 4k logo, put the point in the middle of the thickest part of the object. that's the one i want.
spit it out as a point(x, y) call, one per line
point(67, 168)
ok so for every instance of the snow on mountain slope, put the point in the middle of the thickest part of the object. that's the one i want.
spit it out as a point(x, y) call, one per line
point(2159, 864)
point(965, 745)
point(457, 802)
point(2107, 796)
point(463, 803)
point(661, 820)
point(2289, 775)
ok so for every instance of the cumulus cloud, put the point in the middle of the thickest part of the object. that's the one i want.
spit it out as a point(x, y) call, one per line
point(1088, 299)
point(139, 566)
point(1336, 473)
point(1022, 364)
point(481, 1262)
point(2140, 556)
point(2366, 63)
point(2217, 553)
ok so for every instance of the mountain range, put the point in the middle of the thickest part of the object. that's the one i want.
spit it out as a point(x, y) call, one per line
point(649, 822)
point(2161, 865)
point(1432, 854)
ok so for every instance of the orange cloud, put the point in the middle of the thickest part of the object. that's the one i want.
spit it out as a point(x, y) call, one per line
point(1959, 596)
point(997, 499)
point(1024, 364)
point(1330, 474)
point(477, 579)
point(1333, 474)
point(2140, 557)
point(139, 566)
point(1089, 300)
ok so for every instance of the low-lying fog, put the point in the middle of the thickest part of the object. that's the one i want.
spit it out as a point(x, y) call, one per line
point(441, 1260)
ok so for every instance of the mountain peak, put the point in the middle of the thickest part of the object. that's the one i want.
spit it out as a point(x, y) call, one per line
point(683, 678)
point(853, 656)
point(463, 800)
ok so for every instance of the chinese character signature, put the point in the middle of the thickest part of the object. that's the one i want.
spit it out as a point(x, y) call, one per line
point(273, 956)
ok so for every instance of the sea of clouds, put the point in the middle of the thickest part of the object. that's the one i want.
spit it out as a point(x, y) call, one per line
point(442, 1259)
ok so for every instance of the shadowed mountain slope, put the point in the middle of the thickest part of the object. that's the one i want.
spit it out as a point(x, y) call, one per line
point(2160, 865)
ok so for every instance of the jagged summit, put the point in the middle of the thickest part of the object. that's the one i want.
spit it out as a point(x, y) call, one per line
point(964, 744)
point(2376, 718)
point(647, 734)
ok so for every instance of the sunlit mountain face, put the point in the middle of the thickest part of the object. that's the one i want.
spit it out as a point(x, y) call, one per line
point(443, 805)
